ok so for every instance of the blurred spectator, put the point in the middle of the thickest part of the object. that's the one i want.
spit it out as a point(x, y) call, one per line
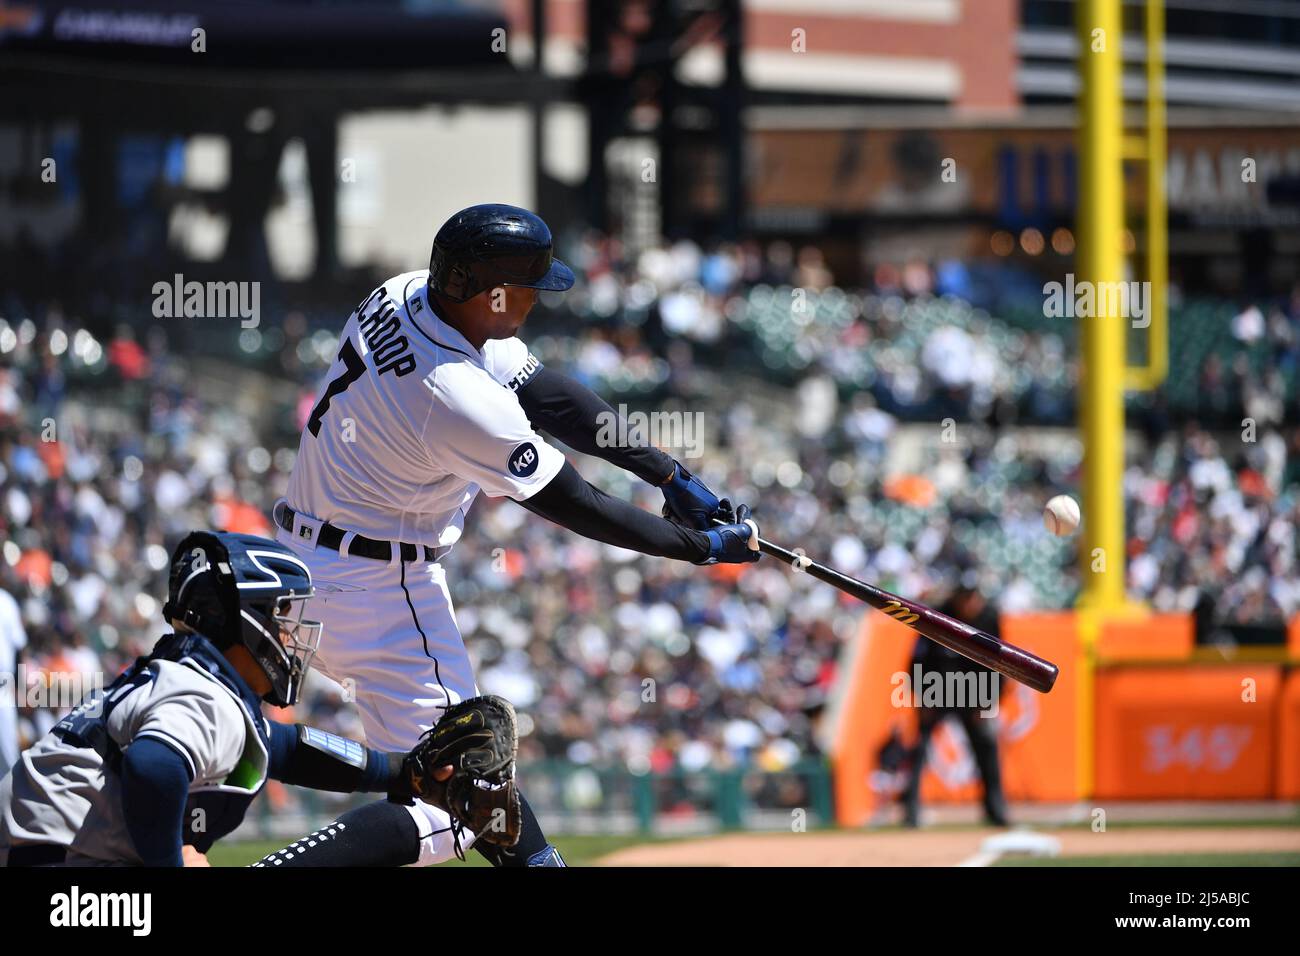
point(13, 638)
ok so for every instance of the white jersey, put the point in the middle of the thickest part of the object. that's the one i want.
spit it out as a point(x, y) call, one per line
point(64, 790)
point(412, 422)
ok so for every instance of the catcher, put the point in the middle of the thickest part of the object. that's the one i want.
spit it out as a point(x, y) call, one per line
point(164, 761)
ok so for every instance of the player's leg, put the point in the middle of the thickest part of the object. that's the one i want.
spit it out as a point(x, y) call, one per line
point(377, 834)
point(404, 695)
point(399, 694)
point(531, 850)
point(393, 639)
point(384, 833)
point(371, 646)
point(982, 735)
point(927, 719)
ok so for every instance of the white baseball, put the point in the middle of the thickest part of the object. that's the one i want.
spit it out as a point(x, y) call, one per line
point(1061, 516)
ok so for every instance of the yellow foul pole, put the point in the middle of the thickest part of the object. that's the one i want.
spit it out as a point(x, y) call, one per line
point(1100, 223)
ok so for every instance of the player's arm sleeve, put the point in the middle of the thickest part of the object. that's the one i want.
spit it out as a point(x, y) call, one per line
point(577, 416)
point(580, 506)
point(155, 785)
point(310, 757)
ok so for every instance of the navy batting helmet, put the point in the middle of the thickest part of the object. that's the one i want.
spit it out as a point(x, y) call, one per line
point(491, 245)
point(242, 589)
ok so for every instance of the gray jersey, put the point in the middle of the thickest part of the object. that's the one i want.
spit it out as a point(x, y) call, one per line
point(66, 792)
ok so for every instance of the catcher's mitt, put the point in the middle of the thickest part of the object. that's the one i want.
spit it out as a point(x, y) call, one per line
point(478, 739)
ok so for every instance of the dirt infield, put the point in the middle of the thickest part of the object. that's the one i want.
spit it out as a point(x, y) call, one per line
point(943, 847)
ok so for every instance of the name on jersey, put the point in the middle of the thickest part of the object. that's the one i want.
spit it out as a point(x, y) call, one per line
point(388, 348)
point(524, 374)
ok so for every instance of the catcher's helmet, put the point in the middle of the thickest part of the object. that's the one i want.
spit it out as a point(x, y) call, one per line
point(491, 245)
point(241, 589)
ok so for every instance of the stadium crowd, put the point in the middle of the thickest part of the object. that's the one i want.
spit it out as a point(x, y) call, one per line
point(111, 448)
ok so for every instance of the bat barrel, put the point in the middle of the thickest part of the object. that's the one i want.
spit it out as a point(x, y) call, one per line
point(970, 642)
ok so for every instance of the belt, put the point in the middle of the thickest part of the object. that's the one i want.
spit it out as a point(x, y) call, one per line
point(361, 546)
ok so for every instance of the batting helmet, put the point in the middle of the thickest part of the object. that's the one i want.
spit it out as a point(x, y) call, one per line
point(491, 245)
point(241, 589)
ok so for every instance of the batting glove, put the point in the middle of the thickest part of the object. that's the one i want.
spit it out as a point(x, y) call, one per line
point(735, 542)
point(688, 501)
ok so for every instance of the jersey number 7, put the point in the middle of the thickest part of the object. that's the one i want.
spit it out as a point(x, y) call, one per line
point(356, 367)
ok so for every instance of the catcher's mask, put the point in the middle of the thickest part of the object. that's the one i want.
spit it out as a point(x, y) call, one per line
point(241, 589)
point(492, 245)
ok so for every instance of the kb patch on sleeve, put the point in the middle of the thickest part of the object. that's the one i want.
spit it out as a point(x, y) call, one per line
point(523, 460)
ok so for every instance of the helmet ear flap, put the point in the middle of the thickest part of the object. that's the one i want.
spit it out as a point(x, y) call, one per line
point(450, 279)
point(201, 590)
point(460, 284)
point(191, 619)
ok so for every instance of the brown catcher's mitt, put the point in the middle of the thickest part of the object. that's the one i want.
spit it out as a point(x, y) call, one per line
point(478, 738)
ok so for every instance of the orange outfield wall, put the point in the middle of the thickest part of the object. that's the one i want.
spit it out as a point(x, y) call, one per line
point(1155, 730)
point(1288, 738)
point(1198, 731)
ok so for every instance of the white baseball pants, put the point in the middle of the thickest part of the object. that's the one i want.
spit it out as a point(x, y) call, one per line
point(390, 638)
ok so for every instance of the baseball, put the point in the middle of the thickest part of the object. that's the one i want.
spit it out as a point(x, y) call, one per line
point(1061, 516)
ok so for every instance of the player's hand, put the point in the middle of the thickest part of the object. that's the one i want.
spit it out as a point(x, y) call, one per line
point(688, 501)
point(735, 542)
point(192, 857)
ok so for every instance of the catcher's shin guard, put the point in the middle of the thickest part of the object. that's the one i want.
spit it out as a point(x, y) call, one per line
point(377, 834)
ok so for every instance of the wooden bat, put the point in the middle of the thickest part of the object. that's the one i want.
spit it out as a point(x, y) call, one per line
point(970, 642)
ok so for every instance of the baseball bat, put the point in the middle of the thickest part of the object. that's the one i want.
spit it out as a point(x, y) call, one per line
point(970, 642)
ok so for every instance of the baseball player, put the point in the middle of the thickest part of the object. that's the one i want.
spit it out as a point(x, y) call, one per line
point(165, 760)
point(431, 400)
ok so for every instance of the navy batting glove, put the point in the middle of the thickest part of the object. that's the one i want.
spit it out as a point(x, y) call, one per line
point(689, 502)
point(729, 543)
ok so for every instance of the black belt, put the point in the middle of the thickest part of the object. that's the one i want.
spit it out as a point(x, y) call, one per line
point(361, 546)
